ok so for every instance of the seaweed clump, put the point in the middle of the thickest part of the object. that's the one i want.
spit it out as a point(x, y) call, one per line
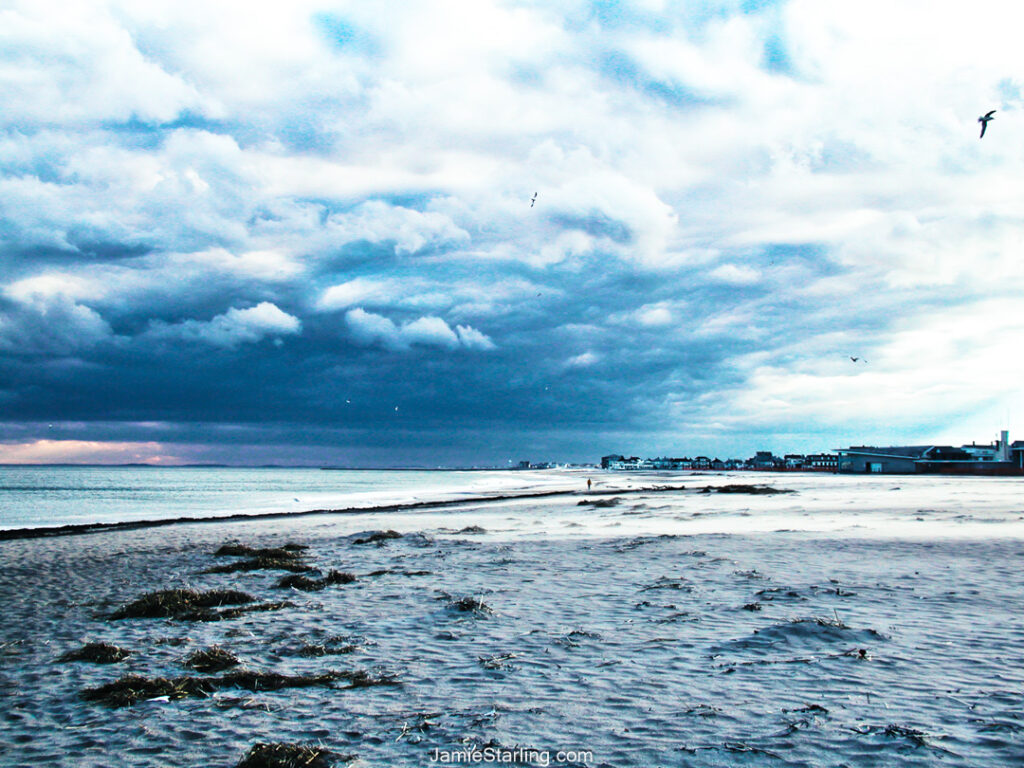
point(377, 537)
point(612, 502)
point(263, 563)
point(212, 659)
point(130, 689)
point(241, 550)
point(470, 605)
point(191, 605)
point(332, 646)
point(97, 653)
point(306, 584)
point(174, 603)
point(281, 755)
point(757, 490)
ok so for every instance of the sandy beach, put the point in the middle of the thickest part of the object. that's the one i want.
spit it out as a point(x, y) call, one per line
point(848, 621)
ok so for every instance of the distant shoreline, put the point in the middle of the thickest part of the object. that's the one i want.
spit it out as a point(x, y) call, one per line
point(128, 525)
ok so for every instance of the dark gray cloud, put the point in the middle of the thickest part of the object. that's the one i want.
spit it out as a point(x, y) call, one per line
point(303, 236)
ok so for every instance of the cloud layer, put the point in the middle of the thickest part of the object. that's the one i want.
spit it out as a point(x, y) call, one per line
point(234, 227)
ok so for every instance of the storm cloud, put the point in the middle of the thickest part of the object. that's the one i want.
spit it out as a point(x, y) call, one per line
point(303, 232)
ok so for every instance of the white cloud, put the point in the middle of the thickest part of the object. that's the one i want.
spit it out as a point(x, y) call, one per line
point(941, 366)
point(234, 327)
point(471, 338)
point(411, 230)
point(371, 329)
point(360, 290)
point(736, 274)
point(584, 360)
point(270, 266)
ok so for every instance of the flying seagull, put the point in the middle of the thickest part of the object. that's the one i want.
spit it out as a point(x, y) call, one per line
point(534, 198)
point(984, 121)
point(855, 359)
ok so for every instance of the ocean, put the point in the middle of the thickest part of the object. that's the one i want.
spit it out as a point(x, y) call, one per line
point(45, 496)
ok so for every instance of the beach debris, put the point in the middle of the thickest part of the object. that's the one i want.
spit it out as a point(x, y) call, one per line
point(332, 646)
point(234, 613)
point(173, 603)
point(896, 731)
point(704, 710)
point(212, 659)
point(825, 621)
point(753, 574)
point(130, 689)
point(378, 537)
point(666, 582)
point(857, 653)
point(423, 722)
point(191, 605)
point(775, 593)
point(363, 679)
point(172, 641)
point(498, 662)
point(97, 653)
point(262, 563)
point(572, 639)
point(306, 584)
point(284, 755)
point(614, 501)
point(470, 605)
point(762, 490)
point(289, 550)
point(811, 709)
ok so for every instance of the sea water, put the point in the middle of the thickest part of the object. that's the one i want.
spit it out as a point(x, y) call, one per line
point(42, 496)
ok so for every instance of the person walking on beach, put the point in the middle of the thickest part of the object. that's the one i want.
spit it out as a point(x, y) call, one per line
point(588, 483)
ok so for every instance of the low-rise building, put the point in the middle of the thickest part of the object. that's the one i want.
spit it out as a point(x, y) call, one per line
point(998, 459)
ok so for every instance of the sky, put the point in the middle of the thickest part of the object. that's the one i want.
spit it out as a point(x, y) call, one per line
point(302, 233)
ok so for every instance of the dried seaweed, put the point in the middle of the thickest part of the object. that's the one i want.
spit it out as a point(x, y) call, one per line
point(280, 755)
point(241, 550)
point(97, 653)
point(212, 659)
point(262, 563)
point(306, 584)
point(378, 537)
point(174, 603)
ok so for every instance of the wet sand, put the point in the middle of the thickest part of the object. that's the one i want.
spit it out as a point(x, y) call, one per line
point(843, 624)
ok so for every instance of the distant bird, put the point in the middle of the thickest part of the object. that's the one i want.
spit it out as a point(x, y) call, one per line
point(855, 359)
point(534, 198)
point(984, 121)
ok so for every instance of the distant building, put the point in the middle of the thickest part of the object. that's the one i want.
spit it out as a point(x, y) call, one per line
point(765, 460)
point(997, 459)
point(822, 462)
point(794, 460)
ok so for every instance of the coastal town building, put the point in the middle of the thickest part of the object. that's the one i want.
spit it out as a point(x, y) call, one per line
point(997, 458)
point(1000, 457)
